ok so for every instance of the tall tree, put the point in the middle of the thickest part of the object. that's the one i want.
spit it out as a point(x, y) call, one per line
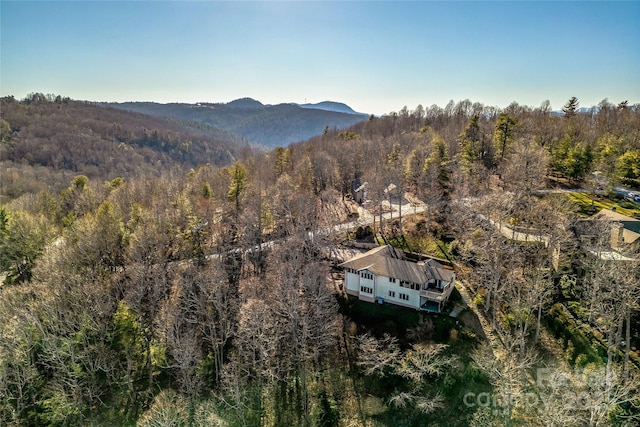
point(504, 133)
point(526, 167)
point(239, 177)
point(571, 107)
point(23, 238)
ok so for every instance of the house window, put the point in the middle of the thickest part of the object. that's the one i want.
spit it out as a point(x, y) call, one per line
point(404, 297)
point(392, 294)
point(365, 275)
point(366, 290)
point(410, 285)
point(392, 280)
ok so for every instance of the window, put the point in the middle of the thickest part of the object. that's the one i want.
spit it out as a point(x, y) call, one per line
point(366, 290)
point(404, 297)
point(410, 285)
point(366, 275)
point(392, 294)
point(392, 280)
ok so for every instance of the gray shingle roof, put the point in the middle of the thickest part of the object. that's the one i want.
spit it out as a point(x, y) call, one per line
point(388, 261)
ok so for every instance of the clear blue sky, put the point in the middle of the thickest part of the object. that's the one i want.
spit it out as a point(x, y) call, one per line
point(375, 56)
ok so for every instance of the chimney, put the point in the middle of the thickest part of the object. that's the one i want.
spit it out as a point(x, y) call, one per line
point(617, 239)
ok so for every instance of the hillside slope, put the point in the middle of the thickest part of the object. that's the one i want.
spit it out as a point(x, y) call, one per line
point(267, 125)
point(83, 138)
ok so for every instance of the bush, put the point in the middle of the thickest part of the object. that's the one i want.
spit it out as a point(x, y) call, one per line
point(363, 232)
point(578, 349)
point(627, 205)
point(479, 298)
point(579, 310)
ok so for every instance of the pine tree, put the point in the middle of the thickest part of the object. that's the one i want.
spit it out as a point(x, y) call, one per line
point(571, 107)
point(504, 132)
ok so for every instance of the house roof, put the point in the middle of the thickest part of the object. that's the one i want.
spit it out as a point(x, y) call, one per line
point(608, 214)
point(629, 223)
point(439, 272)
point(388, 261)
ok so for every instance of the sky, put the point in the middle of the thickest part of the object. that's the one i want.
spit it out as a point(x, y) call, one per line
point(377, 57)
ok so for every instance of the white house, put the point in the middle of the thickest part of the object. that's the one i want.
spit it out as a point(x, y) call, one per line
point(384, 274)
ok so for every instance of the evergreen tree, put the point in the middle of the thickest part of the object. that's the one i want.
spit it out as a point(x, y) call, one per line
point(504, 133)
point(628, 165)
point(238, 173)
point(571, 107)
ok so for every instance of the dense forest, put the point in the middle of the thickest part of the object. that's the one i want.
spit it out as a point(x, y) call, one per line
point(58, 138)
point(201, 294)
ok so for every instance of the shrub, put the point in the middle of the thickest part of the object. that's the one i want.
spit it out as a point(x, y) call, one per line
point(479, 298)
point(627, 205)
point(578, 344)
point(363, 232)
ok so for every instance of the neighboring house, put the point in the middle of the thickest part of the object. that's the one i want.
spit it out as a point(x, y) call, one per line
point(621, 241)
point(358, 190)
point(625, 230)
point(384, 274)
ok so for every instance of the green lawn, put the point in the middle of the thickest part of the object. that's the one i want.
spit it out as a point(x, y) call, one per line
point(583, 200)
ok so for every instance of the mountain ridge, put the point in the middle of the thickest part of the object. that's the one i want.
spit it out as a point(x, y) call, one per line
point(54, 139)
point(262, 124)
point(338, 107)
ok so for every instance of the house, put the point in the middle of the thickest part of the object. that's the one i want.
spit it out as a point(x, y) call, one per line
point(358, 191)
point(607, 235)
point(625, 230)
point(384, 274)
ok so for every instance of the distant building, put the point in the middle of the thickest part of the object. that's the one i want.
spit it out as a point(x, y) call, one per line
point(358, 190)
point(384, 274)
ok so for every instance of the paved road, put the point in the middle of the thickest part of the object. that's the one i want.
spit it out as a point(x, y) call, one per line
point(625, 192)
point(512, 234)
point(367, 218)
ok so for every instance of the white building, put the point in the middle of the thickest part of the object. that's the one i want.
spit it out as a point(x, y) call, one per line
point(384, 274)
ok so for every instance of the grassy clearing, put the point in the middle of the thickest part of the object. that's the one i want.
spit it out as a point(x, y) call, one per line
point(584, 201)
point(423, 244)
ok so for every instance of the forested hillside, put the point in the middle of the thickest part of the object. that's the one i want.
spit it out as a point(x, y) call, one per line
point(268, 125)
point(46, 140)
point(204, 297)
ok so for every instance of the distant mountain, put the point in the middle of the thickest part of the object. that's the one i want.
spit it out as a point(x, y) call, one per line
point(83, 138)
point(338, 107)
point(266, 125)
point(245, 103)
point(592, 110)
